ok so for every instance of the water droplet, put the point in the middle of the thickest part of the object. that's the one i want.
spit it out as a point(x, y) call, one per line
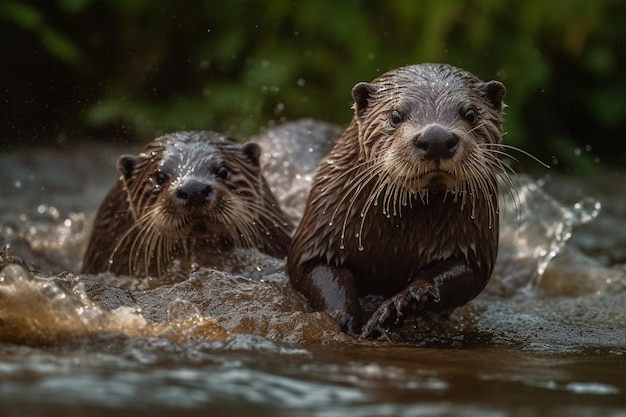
point(361, 248)
point(342, 247)
point(586, 210)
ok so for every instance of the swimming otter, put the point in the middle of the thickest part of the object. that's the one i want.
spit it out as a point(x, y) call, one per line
point(185, 199)
point(405, 205)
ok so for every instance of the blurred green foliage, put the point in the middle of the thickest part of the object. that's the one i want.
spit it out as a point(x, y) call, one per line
point(135, 69)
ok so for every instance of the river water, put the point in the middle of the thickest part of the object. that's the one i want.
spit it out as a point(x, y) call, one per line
point(547, 337)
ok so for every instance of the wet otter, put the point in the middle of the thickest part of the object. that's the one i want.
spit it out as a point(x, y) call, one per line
point(405, 205)
point(185, 198)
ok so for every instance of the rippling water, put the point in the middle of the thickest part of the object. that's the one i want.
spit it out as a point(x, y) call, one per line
point(547, 337)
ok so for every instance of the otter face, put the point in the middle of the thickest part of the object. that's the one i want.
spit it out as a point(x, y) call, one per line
point(183, 200)
point(426, 130)
point(194, 188)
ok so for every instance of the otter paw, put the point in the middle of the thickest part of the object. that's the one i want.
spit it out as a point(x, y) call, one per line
point(392, 311)
point(347, 322)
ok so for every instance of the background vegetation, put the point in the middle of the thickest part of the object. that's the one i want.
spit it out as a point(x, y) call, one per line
point(117, 69)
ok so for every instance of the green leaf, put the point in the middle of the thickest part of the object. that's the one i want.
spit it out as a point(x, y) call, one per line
point(60, 46)
point(23, 15)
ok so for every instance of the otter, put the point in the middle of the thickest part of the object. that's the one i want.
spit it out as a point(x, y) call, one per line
point(405, 206)
point(186, 198)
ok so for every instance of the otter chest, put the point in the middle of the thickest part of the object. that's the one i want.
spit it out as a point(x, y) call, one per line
point(389, 251)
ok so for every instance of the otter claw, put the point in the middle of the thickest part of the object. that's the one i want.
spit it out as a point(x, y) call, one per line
point(372, 328)
point(386, 311)
point(410, 299)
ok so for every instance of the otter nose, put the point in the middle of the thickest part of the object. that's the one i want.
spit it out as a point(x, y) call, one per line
point(193, 193)
point(436, 143)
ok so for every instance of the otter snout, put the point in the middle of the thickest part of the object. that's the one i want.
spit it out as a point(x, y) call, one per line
point(436, 143)
point(193, 193)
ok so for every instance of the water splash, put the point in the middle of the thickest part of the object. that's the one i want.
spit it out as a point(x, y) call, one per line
point(535, 227)
point(36, 309)
point(157, 352)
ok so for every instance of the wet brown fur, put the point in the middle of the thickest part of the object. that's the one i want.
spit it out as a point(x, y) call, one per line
point(382, 219)
point(145, 228)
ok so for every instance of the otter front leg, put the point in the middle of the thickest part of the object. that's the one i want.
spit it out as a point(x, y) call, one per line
point(441, 287)
point(333, 290)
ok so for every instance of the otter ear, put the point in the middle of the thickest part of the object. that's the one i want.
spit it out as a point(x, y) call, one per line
point(361, 94)
point(126, 165)
point(252, 152)
point(495, 91)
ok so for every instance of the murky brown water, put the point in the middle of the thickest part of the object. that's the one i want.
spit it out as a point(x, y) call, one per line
point(547, 337)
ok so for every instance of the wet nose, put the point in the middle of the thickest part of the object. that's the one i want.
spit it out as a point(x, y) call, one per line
point(193, 193)
point(436, 143)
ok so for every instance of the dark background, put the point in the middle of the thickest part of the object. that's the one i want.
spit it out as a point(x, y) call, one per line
point(117, 70)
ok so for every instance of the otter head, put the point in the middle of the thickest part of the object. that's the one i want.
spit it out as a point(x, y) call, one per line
point(430, 126)
point(195, 185)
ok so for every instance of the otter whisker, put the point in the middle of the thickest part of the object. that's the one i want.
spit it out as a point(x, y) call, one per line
point(142, 222)
point(528, 154)
point(367, 175)
point(244, 234)
point(352, 186)
point(247, 235)
point(154, 243)
point(486, 185)
point(502, 170)
point(381, 183)
point(478, 126)
point(496, 149)
point(353, 169)
point(258, 210)
point(355, 188)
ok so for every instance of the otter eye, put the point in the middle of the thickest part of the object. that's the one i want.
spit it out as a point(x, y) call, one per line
point(223, 173)
point(396, 117)
point(160, 178)
point(470, 116)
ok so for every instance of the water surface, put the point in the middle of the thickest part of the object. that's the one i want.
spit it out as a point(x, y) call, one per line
point(547, 337)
